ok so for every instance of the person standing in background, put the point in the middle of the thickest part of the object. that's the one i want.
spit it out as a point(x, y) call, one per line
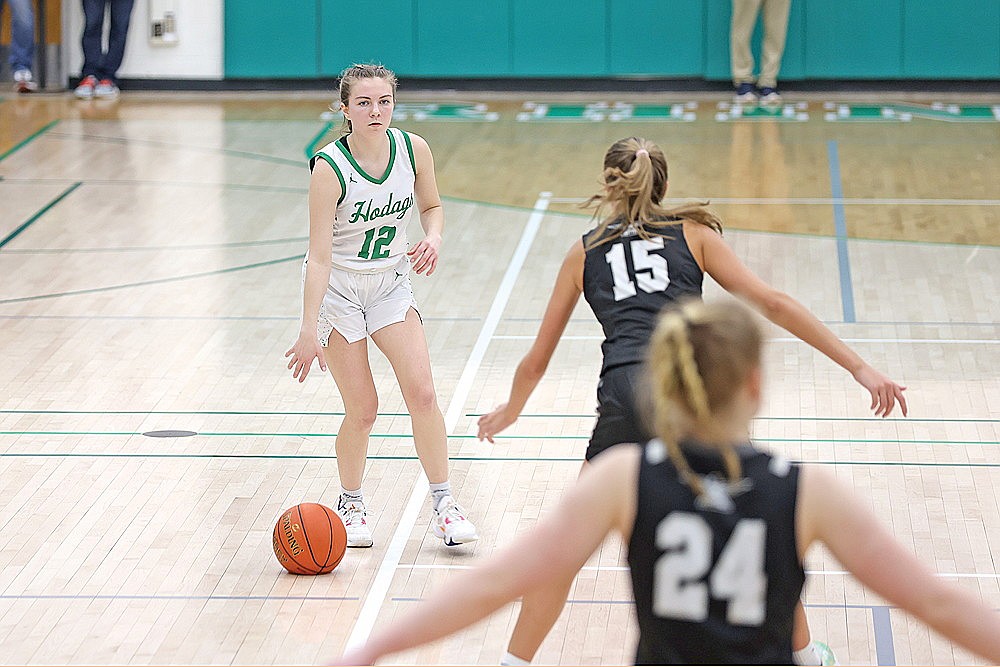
point(22, 44)
point(100, 66)
point(765, 86)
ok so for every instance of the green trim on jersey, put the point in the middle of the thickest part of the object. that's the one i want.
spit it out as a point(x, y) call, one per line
point(409, 151)
point(388, 168)
point(336, 170)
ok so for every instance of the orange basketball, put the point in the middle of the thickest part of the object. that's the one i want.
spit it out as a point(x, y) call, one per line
point(309, 539)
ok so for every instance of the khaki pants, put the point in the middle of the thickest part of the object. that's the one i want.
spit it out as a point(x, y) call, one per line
point(775, 26)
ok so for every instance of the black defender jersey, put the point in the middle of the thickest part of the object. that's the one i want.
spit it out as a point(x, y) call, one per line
point(628, 281)
point(716, 579)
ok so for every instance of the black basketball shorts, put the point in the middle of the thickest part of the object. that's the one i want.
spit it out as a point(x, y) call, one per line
point(618, 418)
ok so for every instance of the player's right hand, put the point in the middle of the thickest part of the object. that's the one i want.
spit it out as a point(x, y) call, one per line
point(302, 353)
point(492, 423)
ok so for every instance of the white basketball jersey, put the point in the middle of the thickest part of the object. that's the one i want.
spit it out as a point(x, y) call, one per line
point(369, 232)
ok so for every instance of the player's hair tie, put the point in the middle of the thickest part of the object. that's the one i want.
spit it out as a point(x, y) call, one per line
point(642, 151)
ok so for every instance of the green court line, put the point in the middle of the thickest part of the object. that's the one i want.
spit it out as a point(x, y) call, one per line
point(202, 318)
point(184, 184)
point(65, 193)
point(261, 434)
point(181, 147)
point(501, 459)
point(879, 420)
point(469, 436)
point(24, 142)
point(202, 246)
point(144, 283)
point(185, 412)
point(311, 147)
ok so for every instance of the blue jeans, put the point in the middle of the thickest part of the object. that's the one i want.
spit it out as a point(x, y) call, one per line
point(22, 42)
point(96, 61)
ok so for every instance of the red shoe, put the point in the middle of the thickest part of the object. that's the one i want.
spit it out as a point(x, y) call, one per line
point(85, 90)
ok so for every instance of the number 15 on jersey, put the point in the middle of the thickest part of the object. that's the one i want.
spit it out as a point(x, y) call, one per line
point(648, 271)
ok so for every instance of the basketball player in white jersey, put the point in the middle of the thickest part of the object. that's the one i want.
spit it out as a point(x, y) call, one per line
point(364, 189)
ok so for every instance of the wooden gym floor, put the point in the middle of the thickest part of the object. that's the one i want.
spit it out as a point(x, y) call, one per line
point(149, 280)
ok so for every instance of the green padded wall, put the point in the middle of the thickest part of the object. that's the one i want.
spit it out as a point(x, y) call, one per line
point(652, 37)
point(846, 39)
point(267, 40)
point(958, 38)
point(854, 39)
point(559, 38)
point(369, 32)
point(468, 44)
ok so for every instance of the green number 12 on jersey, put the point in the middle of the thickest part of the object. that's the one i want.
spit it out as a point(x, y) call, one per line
point(378, 250)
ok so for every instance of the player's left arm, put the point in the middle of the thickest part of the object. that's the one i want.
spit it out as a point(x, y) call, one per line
point(735, 277)
point(424, 255)
point(602, 500)
point(827, 511)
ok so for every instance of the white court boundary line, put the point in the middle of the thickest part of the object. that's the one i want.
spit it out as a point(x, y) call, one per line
point(390, 562)
point(821, 201)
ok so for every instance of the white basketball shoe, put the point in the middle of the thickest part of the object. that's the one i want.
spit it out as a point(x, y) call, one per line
point(353, 515)
point(451, 525)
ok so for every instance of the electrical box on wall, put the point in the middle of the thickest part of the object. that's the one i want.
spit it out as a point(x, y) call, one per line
point(163, 22)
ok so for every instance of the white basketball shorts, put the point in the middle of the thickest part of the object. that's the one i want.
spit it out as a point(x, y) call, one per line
point(358, 304)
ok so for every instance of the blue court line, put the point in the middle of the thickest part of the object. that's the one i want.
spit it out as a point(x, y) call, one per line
point(629, 601)
point(178, 597)
point(65, 193)
point(144, 283)
point(885, 651)
point(840, 224)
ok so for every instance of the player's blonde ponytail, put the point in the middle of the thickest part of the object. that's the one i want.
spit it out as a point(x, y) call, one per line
point(635, 181)
point(699, 356)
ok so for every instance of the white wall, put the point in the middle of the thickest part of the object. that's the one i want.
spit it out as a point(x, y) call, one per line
point(196, 55)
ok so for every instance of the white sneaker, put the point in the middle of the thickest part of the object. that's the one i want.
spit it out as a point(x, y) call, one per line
point(353, 515)
point(85, 89)
point(451, 525)
point(106, 88)
point(770, 96)
point(24, 82)
point(746, 93)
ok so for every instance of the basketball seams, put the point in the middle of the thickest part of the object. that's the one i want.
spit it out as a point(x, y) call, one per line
point(286, 549)
point(305, 535)
point(333, 539)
